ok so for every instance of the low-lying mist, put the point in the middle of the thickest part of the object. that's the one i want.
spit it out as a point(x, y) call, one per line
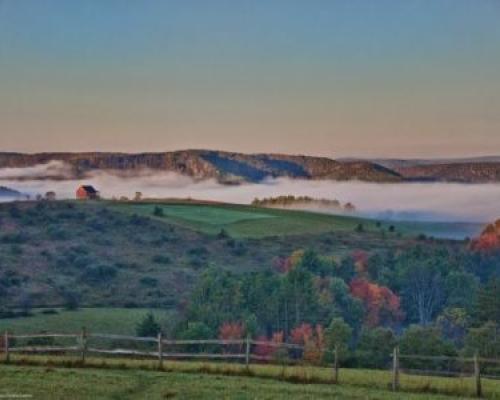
point(407, 201)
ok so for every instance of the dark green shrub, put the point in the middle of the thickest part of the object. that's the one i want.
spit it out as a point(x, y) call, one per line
point(158, 212)
point(148, 327)
point(100, 274)
point(161, 259)
point(149, 281)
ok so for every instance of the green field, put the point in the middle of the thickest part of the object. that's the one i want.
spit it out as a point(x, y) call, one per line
point(54, 383)
point(102, 320)
point(247, 221)
point(256, 222)
point(123, 379)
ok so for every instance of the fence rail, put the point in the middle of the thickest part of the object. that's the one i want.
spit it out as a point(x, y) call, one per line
point(83, 338)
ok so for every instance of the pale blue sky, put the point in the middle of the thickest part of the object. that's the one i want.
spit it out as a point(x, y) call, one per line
point(338, 78)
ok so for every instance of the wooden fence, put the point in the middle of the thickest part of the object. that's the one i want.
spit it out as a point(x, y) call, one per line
point(240, 350)
point(83, 348)
point(476, 367)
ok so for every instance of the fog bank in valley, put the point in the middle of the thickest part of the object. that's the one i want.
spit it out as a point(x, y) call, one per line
point(408, 201)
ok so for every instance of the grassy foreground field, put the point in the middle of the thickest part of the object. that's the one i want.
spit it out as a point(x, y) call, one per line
point(290, 380)
point(79, 384)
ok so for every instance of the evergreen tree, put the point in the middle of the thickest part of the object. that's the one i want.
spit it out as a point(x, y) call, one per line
point(148, 327)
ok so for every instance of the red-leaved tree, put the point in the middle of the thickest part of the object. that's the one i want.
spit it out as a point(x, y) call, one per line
point(267, 348)
point(313, 340)
point(381, 304)
point(489, 238)
point(232, 331)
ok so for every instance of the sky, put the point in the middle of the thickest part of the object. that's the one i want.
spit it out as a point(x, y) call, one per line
point(348, 78)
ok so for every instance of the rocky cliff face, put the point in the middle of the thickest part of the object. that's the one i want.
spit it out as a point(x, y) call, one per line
point(201, 164)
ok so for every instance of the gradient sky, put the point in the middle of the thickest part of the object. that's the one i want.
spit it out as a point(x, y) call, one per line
point(338, 78)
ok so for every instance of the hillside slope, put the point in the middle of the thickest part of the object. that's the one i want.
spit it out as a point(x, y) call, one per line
point(106, 255)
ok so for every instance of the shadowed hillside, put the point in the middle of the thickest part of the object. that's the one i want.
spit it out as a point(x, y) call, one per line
point(112, 254)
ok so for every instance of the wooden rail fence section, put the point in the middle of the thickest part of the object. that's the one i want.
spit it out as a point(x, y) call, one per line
point(83, 349)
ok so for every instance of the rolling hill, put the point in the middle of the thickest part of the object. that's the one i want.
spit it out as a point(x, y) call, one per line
point(118, 254)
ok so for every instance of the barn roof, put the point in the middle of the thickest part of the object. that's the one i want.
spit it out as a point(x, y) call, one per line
point(89, 189)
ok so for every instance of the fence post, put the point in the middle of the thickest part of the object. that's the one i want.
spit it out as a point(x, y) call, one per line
point(6, 346)
point(477, 375)
point(247, 352)
point(395, 369)
point(336, 365)
point(160, 351)
point(83, 345)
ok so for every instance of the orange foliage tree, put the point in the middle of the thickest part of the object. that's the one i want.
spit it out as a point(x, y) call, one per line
point(489, 238)
point(313, 340)
point(269, 347)
point(232, 331)
point(360, 258)
point(286, 264)
point(381, 304)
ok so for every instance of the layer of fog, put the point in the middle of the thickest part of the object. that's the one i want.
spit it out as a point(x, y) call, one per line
point(409, 201)
point(52, 169)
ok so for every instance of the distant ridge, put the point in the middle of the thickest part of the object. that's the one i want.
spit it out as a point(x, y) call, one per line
point(234, 168)
point(226, 167)
point(463, 170)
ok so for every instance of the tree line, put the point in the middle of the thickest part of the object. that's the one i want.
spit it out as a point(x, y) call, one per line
point(432, 299)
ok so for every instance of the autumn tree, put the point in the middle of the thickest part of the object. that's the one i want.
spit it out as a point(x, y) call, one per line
point(381, 304)
point(269, 348)
point(312, 339)
point(231, 331)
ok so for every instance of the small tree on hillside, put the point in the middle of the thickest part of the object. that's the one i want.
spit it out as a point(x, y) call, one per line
point(71, 301)
point(148, 327)
point(158, 211)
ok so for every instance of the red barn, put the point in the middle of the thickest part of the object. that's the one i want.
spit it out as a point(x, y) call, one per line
point(87, 192)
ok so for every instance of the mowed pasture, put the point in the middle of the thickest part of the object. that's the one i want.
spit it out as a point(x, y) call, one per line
point(113, 320)
point(83, 384)
point(127, 378)
point(242, 221)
